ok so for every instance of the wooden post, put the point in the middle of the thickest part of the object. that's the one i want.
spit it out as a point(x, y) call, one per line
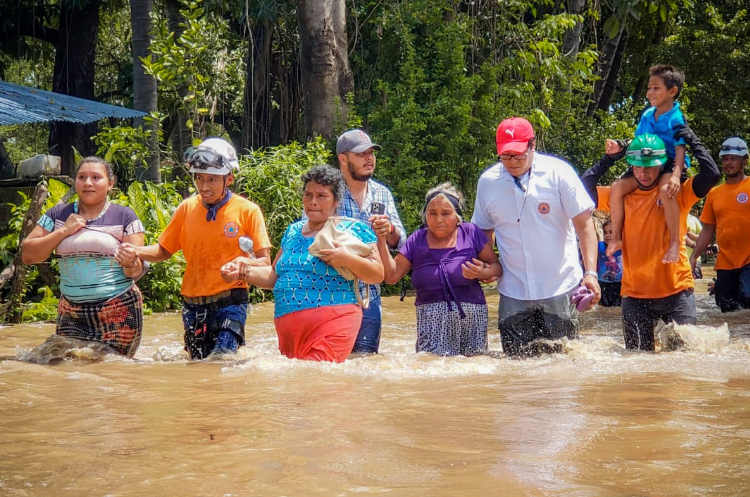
point(14, 310)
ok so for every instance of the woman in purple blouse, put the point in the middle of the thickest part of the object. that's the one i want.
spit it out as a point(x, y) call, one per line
point(447, 258)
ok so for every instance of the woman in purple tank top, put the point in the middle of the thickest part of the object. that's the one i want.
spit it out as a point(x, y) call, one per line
point(447, 258)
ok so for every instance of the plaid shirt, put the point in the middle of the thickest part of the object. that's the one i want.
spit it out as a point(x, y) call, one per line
point(375, 193)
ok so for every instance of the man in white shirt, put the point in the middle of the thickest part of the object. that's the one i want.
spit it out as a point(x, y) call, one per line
point(534, 206)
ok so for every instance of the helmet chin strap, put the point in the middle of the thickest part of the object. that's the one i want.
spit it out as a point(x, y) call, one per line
point(641, 186)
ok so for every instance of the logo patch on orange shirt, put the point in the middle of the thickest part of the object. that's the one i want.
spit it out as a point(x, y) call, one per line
point(543, 208)
point(231, 229)
point(742, 198)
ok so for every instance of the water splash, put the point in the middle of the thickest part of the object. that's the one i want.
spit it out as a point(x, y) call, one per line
point(694, 338)
point(58, 348)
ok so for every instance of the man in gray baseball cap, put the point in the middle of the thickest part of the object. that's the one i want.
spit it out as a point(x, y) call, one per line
point(355, 140)
point(726, 214)
point(369, 201)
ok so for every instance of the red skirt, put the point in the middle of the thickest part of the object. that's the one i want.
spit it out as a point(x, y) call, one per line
point(319, 334)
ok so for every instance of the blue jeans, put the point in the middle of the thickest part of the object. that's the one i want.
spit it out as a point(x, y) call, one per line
point(218, 331)
point(368, 338)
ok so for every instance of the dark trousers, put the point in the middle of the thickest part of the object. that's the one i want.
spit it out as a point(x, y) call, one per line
point(610, 293)
point(523, 321)
point(639, 317)
point(732, 289)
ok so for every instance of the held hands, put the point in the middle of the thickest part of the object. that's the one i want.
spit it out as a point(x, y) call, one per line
point(238, 269)
point(381, 225)
point(126, 254)
point(475, 270)
point(673, 186)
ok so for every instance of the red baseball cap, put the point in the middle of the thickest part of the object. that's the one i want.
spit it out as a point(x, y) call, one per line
point(514, 134)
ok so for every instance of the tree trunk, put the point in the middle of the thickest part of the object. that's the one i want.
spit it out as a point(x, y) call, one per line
point(182, 134)
point(74, 75)
point(326, 77)
point(256, 119)
point(7, 169)
point(614, 75)
point(287, 92)
point(144, 85)
point(17, 285)
point(572, 40)
point(606, 60)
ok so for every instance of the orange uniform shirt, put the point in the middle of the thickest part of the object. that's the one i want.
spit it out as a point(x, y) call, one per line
point(208, 245)
point(645, 239)
point(728, 208)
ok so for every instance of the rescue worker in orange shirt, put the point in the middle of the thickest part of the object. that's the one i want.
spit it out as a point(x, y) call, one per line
point(653, 290)
point(207, 228)
point(727, 214)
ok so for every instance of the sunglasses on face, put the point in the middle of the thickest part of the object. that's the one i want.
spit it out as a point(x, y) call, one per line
point(204, 158)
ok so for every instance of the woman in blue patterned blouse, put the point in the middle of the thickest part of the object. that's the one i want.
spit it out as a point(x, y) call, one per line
point(316, 312)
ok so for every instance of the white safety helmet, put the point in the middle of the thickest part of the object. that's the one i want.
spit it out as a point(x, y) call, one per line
point(734, 146)
point(212, 156)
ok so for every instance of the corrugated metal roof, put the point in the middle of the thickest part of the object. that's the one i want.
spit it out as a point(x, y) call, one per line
point(22, 104)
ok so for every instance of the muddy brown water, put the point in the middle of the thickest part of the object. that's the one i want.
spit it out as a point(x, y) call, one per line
point(597, 421)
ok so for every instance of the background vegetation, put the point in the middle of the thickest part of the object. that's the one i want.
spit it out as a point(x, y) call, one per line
point(429, 79)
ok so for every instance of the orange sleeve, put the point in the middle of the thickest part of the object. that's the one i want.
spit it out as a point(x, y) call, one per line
point(170, 237)
point(603, 194)
point(708, 216)
point(687, 196)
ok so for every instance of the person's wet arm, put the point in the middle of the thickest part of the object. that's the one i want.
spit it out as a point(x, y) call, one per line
point(393, 268)
point(584, 227)
point(708, 172)
point(705, 237)
point(40, 243)
point(153, 253)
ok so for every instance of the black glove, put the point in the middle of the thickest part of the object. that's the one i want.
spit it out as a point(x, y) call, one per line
point(687, 134)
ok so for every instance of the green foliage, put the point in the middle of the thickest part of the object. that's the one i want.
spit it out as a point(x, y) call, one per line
point(199, 68)
point(45, 310)
point(9, 243)
point(439, 88)
point(124, 147)
point(9, 248)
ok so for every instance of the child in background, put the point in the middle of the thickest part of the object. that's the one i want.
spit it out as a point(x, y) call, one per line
point(662, 119)
point(609, 268)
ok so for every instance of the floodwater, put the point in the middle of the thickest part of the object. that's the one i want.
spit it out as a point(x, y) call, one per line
point(596, 421)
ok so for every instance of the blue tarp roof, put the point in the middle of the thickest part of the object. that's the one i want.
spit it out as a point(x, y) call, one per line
point(22, 104)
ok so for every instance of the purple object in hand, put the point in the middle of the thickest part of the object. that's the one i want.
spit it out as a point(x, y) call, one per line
point(581, 298)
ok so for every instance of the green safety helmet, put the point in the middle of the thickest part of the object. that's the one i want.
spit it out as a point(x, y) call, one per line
point(646, 151)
